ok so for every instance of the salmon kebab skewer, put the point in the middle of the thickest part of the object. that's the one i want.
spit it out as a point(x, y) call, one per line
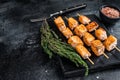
point(62, 27)
point(111, 43)
point(92, 26)
point(67, 33)
point(72, 22)
point(88, 38)
point(60, 23)
point(84, 52)
point(80, 30)
point(83, 19)
point(101, 34)
point(96, 45)
point(75, 42)
point(98, 48)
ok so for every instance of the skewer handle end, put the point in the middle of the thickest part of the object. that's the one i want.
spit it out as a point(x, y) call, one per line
point(90, 61)
point(117, 48)
point(105, 55)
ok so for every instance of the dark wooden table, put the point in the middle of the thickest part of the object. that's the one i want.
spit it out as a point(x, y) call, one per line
point(21, 57)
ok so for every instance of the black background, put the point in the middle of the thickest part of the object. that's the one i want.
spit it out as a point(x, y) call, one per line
point(21, 57)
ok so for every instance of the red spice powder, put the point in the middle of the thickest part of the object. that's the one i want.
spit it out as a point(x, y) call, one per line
point(110, 12)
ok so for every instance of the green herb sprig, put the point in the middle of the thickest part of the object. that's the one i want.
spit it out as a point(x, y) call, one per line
point(52, 44)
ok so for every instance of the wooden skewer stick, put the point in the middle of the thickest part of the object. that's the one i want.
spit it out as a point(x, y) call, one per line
point(66, 18)
point(78, 14)
point(105, 55)
point(117, 49)
point(54, 17)
point(90, 61)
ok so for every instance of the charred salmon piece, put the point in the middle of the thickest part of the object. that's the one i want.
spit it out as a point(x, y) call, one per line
point(97, 47)
point(84, 19)
point(80, 30)
point(110, 43)
point(101, 34)
point(88, 38)
point(72, 23)
point(83, 51)
point(67, 33)
point(92, 26)
point(74, 41)
point(59, 22)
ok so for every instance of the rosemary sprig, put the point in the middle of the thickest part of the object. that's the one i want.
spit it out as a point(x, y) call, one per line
point(52, 44)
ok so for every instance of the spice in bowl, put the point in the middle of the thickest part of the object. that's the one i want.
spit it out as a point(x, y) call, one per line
point(110, 12)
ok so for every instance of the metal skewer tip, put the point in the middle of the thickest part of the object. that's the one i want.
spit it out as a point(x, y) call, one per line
point(105, 55)
point(90, 61)
point(117, 49)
